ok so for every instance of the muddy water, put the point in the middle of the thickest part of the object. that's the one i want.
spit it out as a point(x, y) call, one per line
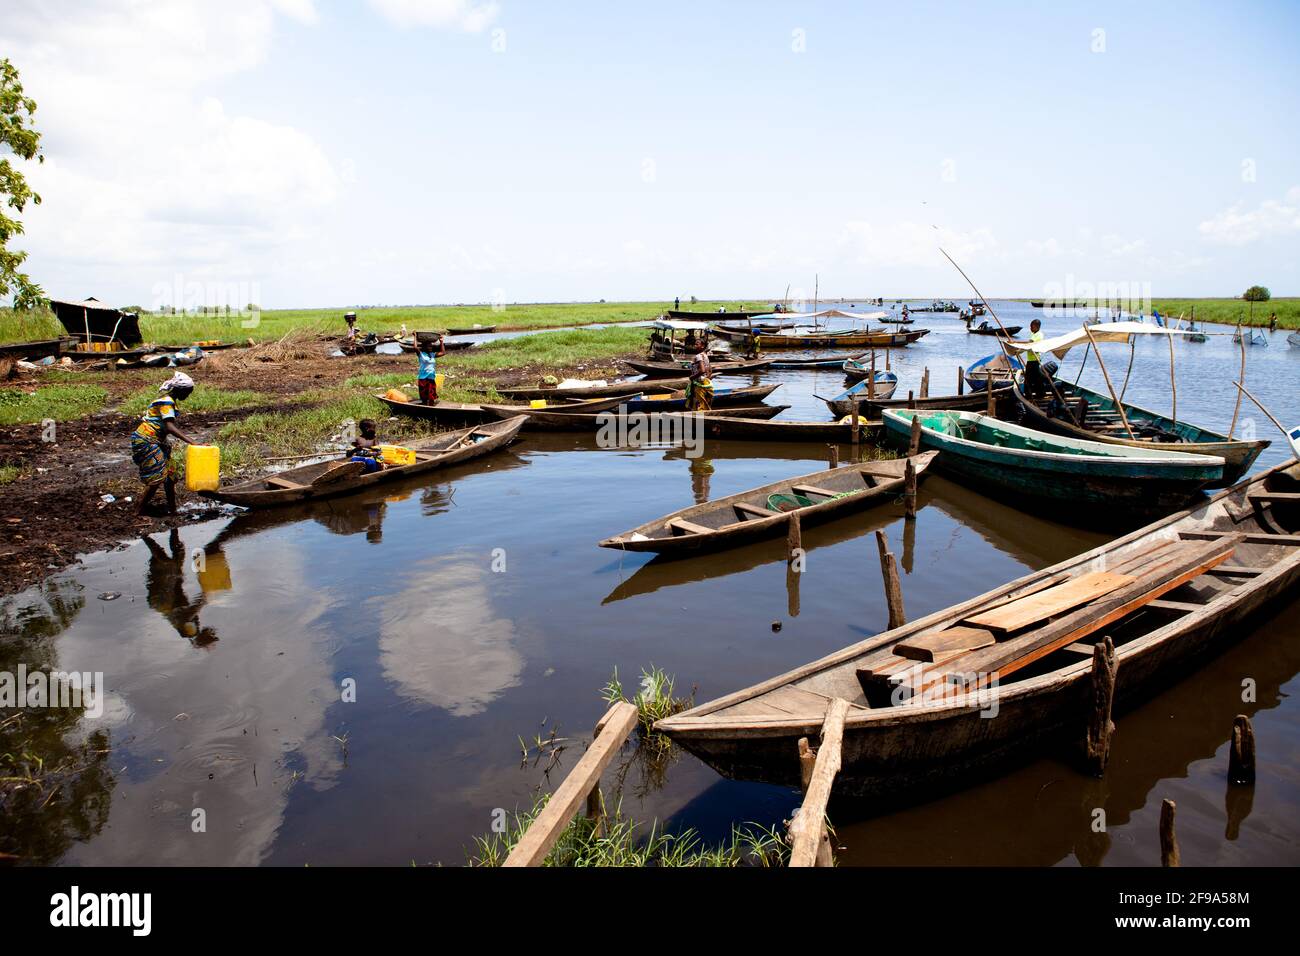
point(472, 608)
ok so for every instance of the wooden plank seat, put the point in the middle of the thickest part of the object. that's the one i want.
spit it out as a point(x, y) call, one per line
point(284, 483)
point(1049, 603)
point(744, 509)
point(806, 490)
point(682, 526)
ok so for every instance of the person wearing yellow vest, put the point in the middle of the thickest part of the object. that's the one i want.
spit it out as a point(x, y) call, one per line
point(1035, 383)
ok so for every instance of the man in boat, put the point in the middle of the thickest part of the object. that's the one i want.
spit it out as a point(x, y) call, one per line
point(699, 386)
point(427, 380)
point(150, 449)
point(1035, 384)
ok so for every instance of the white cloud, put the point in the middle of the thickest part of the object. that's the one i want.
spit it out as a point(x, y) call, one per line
point(145, 167)
point(468, 15)
point(912, 243)
point(1237, 226)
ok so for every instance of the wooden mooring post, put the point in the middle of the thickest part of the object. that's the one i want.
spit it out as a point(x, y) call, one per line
point(1241, 755)
point(1100, 726)
point(914, 440)
point(893, 590)
point(1169, 855)
point(810, 840)
point(925, 383)
point(961, 380)
point(857, 425)
point(833, 456)
point(581, 786)
point(909, 489)
point(793, 537)
point(990, 404)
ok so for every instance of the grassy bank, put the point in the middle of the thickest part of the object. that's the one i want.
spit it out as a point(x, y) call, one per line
point(274, 323)
point(60, 403)
point(1232, 311)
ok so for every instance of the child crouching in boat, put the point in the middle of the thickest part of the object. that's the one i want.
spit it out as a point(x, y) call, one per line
point(365, 447)
point(150, 449)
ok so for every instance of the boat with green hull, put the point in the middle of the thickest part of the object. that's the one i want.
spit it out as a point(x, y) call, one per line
point(1098, 420)
point(1076, 474)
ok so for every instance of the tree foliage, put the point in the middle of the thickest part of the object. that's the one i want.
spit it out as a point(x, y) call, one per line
point(1257, 293)
point(18, 136)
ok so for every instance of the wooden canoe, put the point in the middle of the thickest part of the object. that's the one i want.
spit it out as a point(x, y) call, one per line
point(1001, 368)
point(751, 515)
point(1003, 400)
point(410, 346)
point(675, 369)
point(753, 429)
point(473, 330)
point(920, 746)
point(856, 370)
point(985, 329)
point(444, 413)
point(656, 401)
point(629, 387)
point(715, 316)
point(844, 403)
point(739, 333)
point(548, 420)
point(564, 407)
point(880, 339)
point(1081, 478)
point(829, 361)
point(1101, 423)
point(311, 482)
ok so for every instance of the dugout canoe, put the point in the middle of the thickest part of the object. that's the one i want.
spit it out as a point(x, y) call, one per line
point(739, 333)
point(473, 330)
point(330, 479)
point(1101, 422)
point(675, 401)
point(926, 744)
point(714, 316)
point(444, 413)
point(879, 339)
point(410, 346)
point(1078, 478)
point(675, 369)
point(765, 511)
point(550, 421)
point(843, 403)
point(985, 329)
point(1003, 400)
point(829, 361)
point(753, 429)
point(629, 387)
point(998, 366)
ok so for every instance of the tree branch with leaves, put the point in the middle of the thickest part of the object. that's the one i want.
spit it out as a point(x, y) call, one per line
point(18, 136)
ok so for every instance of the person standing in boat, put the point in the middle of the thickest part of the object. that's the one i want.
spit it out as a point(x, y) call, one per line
point(1035, 384)
point(677, 303)
point(699, 385)
point(150, 449)
point(427, 380)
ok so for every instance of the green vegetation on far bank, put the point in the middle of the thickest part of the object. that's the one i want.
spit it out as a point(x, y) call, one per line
point(1232, 311)
point(271, 324)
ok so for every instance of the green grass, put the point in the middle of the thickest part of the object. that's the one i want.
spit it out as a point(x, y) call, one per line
point(271, 324)
point(205, 398)
point(550, 349)
point(57, 402)
point(1230, 311)
point(9, 473)
point(619, 842)
point(459, 389)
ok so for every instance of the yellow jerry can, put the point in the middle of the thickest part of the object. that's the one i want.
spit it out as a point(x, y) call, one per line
point(202, 467)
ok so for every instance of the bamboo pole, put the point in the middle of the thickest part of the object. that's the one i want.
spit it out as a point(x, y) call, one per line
point(1173, 380)
point(1241, 377)
point(1106, 375)
point(1132, 354)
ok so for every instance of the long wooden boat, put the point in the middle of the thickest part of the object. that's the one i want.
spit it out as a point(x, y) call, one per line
point(880, 339)
point(828, 361)
point(627, 387)
point(857, 370)
point(985, 329)
point(843, 403)
point(549, 421)
point(1086, 477)
point(753, 429)
point(444, 413)
point(675, 401)
point(329, 479)
point(473, 330)
point(998, 366)
point(1102, 423)
point(38, 349)
point(763, 512)
point(568, 406)
point(919, 743)
point(674, 369)
point(410, 346)
point(739, 333)
point(907, 321)
point(1003, 401)
point(715, 316)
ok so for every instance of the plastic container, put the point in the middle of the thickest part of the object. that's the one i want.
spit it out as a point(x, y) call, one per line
point(215, 575)
point(537, 403)
point(202, 467)
point(396, 455)
point(396, 395)
point(438, 379)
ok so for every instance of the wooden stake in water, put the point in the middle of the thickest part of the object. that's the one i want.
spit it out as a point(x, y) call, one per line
point(1100, 726)
point(1169, 855)
point(857, 424)
point(833, 455)
point(914, 443)
point(961, 381)
point(925, 384)
point(990, 403)
point(893, 590)
point(1241, 755)
point(909, 490)
point(1241, 377)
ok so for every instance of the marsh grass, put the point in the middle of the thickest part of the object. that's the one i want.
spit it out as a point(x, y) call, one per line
point(562, 349)
point(620, 842)
point(10, 473)
point(205, 398)
point(459, 389)
point(58, 402)
point(1230, 311)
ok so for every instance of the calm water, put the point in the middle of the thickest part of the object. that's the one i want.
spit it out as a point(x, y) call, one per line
point(224, 687)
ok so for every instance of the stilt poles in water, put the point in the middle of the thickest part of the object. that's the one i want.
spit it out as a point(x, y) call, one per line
point(810, 843)
point(893, 589)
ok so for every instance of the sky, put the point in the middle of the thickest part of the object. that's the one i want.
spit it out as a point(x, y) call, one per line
point(305, 153)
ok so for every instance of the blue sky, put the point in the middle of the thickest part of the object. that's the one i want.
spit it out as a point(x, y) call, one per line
point(400, 151)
